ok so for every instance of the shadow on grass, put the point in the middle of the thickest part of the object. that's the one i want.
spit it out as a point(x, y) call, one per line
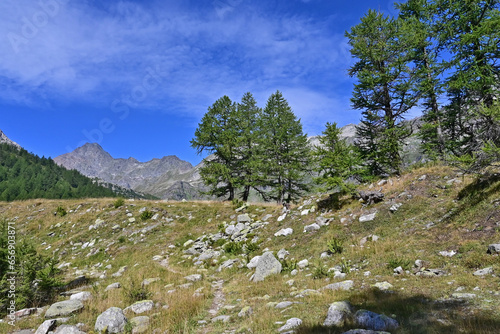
point(416, 314)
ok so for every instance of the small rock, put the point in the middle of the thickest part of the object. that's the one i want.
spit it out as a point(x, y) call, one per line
point(375, 321)
point(383, 286)
point(290, 324)
point(447, 254)
point(339, 314)
point(282, 217)
point(245, 312)
point(494, 249)
point(284, 232)
point(244, 218)
point(141, 306)
point(395, 207)
point(302, 264)
point(368, 217)
point(223, 318)
point(67, 329)
point(461, 295)
point(120, 272)
point(304, 212)
point(345, 285)
point(282, 253)
point(284, 304)
point(46, 326)
point(484, 272)
point(82, 296)
point(112, 286)
point(194, 278)
point(311, 228)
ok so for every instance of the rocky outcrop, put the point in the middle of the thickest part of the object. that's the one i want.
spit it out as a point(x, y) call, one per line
point(267, 265)
point(6, 140)
point(112, 320)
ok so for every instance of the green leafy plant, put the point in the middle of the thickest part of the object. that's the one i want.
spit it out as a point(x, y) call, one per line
point(399, 262)
point(60, 211)
point(251, 247)
point(288, 265)
point(320, 272)
point(335, 246)
point(345, 266)
point(146, 215)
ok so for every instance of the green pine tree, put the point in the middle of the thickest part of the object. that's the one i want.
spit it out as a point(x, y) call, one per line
point(284, 151)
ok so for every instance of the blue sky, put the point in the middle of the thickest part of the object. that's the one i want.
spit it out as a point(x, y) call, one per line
point(137, 76)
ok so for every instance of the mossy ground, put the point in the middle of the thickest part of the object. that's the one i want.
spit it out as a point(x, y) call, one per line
point(439, 212)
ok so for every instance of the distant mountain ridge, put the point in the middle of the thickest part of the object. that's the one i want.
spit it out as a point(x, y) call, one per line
point(167, 178)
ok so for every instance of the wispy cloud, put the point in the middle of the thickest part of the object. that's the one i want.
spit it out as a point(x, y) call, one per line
point(55, 50)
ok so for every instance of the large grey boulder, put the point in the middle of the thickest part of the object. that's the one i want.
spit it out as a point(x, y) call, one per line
point(344, 285)
point(63, 308)
point(339, 314)
point(46, 326)
point(81, 296)
point(67, 329)
point(375, 321)
point(267, 265)
point(113, 320)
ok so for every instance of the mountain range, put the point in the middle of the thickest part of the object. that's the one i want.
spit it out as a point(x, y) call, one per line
point(166, 178)
point(5, 140)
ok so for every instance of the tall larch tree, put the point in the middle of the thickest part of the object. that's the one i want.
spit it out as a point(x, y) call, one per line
point(385, 89)
point(285, 151)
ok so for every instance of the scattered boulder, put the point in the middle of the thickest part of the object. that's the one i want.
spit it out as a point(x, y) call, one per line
point(63, 308)
point(284, 304)
point(290, 324)
point(194, 278)
point(81, 296)
point(383, 286)
point(484, 272)
point(112, 286)
point(245, 312)
point(244, 218)
point(46, 327)
point(140, 324)
point(431, 273)
point(112, 320)
point(282, 254)
point(67, 329)
point(282, 217)
point(223, 318)
point(371, 237)
point(311, 228)
point(322, 221)
point(368, 217)
point(304, 212)
point(141, 306)
point(339, 314)
point(375, 321)
point(395, 207)
point(120, 272)
point(370, 197)
point(364, 331)
point(447, 254)
point(302, 264)
point(345, 285)
point(267, 265)
point(494, 249)
point(462, 295)
point(283, 232)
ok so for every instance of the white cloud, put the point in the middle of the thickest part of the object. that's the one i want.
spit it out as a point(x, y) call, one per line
point(96, 55)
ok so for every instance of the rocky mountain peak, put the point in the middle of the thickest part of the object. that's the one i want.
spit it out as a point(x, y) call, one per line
point(5, 139)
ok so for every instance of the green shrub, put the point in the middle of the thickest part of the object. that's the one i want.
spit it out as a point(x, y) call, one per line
point(345, 266)
point(288, 266)
point(122, 239)
point(335, 246)
point(136, 292)
point(320, 272)
point(146, 215)
point(251, 247)
point(233, 248)
point(61, 211)
point(120, 201)
point(37, 279)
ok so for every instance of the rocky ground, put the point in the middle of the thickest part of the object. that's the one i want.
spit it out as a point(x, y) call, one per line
point(422, 260)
